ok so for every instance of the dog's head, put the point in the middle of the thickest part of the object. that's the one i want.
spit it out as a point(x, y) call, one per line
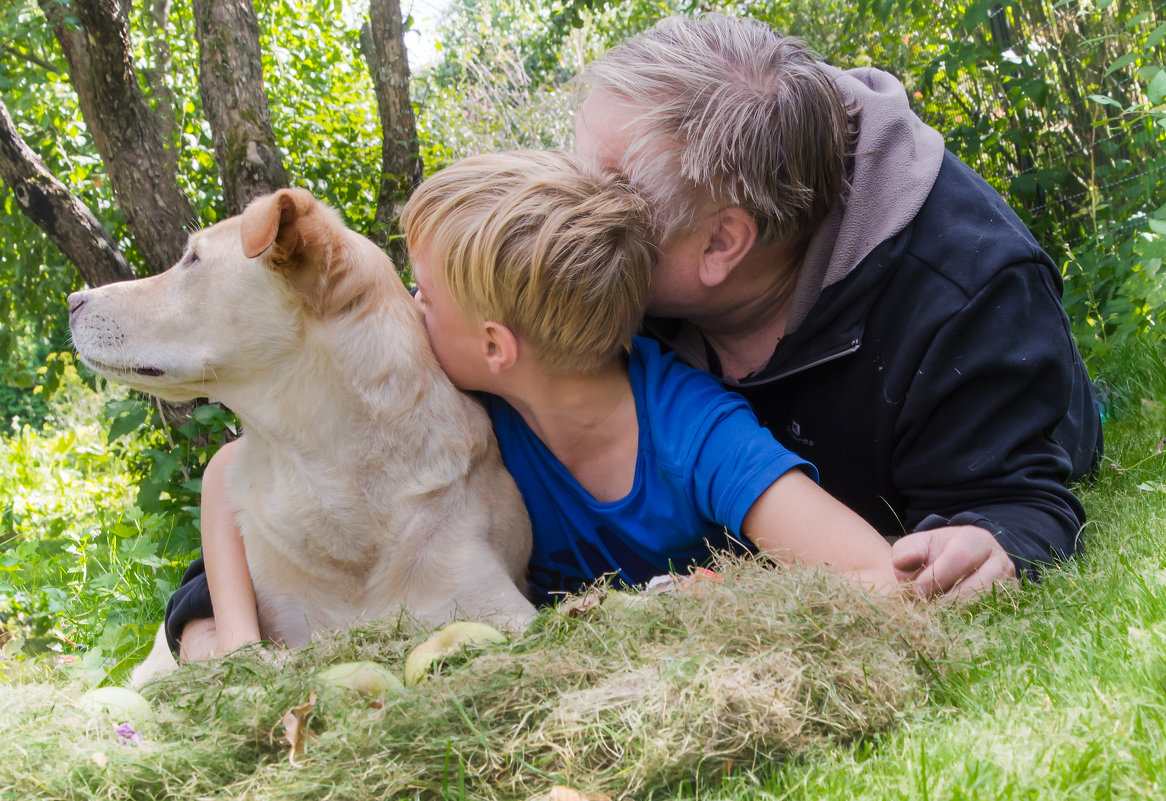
point(237, 301)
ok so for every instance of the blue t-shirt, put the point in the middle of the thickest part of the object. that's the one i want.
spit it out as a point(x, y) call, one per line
point(703, 461)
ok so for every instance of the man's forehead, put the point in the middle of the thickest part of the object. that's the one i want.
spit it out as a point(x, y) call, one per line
point(601, 128)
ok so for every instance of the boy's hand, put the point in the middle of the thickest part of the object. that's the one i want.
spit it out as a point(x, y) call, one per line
point(232, 639)
point(955, 561)
point(202, 639)
point(197, 641)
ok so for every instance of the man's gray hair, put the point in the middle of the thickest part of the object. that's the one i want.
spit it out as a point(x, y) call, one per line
point(728, 111)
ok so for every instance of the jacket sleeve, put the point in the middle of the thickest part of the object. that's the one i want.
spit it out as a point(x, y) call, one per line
point(999, 417)
point(191, 601)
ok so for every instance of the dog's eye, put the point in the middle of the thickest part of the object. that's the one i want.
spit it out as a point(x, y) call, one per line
point(191, 259)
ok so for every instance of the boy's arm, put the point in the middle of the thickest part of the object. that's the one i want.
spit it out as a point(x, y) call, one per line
point(228, 577)
point(796, 521)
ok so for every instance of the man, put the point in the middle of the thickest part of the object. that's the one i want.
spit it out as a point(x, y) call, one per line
point(882, 309)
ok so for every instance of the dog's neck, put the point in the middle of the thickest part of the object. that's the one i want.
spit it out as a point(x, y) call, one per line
point(354, 394)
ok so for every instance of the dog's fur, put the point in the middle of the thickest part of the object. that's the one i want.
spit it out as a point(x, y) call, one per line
point(366, 482)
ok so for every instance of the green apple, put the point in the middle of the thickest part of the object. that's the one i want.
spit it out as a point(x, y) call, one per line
point(120, 703)
point(446, 642)
point(367, 678)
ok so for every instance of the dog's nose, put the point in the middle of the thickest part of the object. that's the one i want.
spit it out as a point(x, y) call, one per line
point(75, 300)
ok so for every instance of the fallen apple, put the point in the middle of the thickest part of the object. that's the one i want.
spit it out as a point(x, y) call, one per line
point(446, 642)
point(119, 703)
point(367, 678)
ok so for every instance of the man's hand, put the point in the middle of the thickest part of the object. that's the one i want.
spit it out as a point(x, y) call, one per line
point(953, 562)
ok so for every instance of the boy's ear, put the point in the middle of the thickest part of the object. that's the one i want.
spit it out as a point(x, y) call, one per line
point(499, 347)
point(733, 235)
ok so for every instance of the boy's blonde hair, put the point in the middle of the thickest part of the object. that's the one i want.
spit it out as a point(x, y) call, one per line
point(555, 249)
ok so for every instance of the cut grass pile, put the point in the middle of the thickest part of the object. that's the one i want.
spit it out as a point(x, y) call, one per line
point(639, 694)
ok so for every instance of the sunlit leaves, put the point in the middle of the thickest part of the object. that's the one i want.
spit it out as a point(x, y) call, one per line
point(323, 109)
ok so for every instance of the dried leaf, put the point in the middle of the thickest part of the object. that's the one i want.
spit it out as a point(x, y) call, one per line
point(295, 727)
point(580, 604)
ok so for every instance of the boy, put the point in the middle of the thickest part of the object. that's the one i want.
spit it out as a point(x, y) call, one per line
point(532, 270)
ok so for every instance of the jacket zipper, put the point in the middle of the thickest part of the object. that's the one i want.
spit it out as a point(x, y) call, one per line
point(845, 350)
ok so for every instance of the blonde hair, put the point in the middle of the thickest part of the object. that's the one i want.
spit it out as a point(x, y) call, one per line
point(555, 249)
point(728, 111)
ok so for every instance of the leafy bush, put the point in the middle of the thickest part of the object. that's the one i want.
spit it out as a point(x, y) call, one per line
point(79, 563)
point(170, 449)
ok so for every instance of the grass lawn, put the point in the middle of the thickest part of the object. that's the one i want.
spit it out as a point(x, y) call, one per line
point(767, 685)
point(1063, 691)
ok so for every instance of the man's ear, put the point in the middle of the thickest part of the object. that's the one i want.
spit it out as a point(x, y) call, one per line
point(734, 232)
point(499, 347)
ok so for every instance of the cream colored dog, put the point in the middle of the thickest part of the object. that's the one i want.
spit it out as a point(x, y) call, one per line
point(366, 482)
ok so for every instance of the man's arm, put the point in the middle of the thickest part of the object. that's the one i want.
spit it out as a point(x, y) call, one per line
point(999, 419)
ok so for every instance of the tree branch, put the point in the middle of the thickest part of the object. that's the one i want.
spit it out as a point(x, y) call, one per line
point(67, 221)
point(383, 41)
point(124, 128)
point(31, 59)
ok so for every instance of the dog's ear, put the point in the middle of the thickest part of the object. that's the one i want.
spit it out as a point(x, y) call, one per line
point(270, 218)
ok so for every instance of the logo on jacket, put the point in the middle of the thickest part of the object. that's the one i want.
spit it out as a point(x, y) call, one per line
point(795, 432)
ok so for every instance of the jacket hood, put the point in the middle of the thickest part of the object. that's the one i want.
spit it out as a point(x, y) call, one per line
point(896, 160)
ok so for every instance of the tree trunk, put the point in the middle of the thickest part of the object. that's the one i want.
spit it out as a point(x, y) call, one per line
point(158, 40)
point(124, 128)
point(384, 48)
point(48, 203)
point(234, 101)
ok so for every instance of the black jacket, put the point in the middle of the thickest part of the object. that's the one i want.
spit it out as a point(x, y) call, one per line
point(938, 381)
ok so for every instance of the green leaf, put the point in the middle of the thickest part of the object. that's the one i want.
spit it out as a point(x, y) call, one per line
point(207, 414)
point(1156, 36)
point(1123, 61)
point(1105, 101)
point(129, 421)
point(1157, 88)
point(1157, 226)
point(1024, 185)
point(1138, 19)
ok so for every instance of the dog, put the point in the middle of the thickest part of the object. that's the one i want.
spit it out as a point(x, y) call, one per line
point(366, 483)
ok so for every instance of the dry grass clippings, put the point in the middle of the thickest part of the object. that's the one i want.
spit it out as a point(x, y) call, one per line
point(627, 692)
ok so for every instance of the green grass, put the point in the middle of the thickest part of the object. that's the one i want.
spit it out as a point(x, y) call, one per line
point(773, 685)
